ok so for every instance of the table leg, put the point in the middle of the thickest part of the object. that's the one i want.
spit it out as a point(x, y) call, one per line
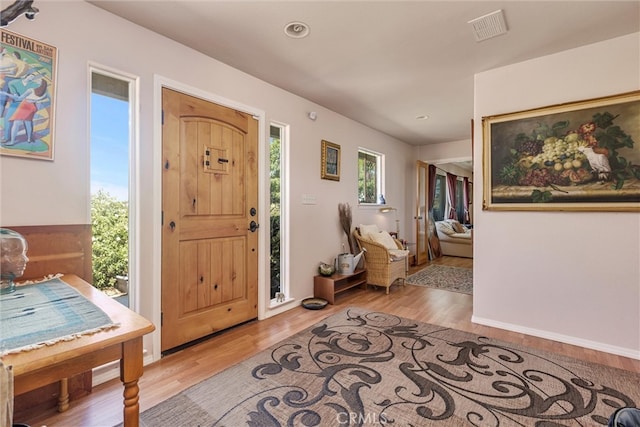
point(131, 368)
point(63, 397)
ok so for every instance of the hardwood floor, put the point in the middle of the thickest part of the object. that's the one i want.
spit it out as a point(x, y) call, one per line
point(187, 367)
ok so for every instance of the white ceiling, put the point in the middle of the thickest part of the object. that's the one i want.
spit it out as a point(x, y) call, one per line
point(382, 63)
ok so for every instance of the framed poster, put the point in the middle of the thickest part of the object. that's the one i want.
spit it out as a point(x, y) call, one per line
point(27, 95)
point(330, 161)
point(579, 156)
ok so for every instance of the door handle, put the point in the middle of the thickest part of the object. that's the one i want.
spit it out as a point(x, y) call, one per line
point(253, 226)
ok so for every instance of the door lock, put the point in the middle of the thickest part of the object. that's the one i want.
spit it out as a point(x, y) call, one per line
point(253, 226)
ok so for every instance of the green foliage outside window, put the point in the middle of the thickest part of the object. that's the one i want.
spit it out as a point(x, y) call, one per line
point(110, 228)
point(367, 177)
point(274, 213)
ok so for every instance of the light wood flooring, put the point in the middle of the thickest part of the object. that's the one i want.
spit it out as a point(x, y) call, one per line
point(187, 367)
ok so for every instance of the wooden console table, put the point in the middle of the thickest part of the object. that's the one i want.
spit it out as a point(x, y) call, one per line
point(326, 287)
point(37, 368)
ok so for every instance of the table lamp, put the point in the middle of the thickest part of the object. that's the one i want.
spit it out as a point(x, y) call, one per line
point(389, 209)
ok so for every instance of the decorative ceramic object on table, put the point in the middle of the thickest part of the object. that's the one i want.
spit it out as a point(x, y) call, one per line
point(13, 259)
point(326, 269)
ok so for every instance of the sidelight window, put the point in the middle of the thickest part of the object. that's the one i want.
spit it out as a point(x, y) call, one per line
point(370, 177)
point(112, 130)
point(279, 290)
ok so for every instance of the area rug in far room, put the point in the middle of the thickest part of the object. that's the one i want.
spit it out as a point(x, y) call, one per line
point(445, 277)
point(361, 368)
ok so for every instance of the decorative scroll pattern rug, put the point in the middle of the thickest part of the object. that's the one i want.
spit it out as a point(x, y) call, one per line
point(45, 313)
point(365, 368)
point(456, 279)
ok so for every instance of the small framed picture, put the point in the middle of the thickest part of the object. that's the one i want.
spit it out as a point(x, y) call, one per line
point(330, 161)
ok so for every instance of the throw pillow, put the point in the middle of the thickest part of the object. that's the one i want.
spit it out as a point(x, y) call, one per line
point(459, 228)
point(384, 239)
point(445, 227)
point(366, 229)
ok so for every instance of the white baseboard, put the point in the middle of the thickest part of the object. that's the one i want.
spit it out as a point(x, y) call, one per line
point(111, 370)
point(593, 345)
point(280, 307)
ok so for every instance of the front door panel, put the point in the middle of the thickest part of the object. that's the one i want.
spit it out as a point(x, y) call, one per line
point(209, 255)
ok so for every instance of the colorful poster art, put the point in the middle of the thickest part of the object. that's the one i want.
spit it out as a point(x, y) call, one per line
point(27, 94)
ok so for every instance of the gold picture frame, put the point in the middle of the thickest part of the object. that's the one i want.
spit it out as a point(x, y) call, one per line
point(330, 161)
point(578, 156)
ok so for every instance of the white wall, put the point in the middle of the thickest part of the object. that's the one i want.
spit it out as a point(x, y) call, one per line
point(569, 276)
point(447, 152)
point(47, 193)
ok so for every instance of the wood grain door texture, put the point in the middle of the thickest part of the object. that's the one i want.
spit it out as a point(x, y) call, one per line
point(209, 225)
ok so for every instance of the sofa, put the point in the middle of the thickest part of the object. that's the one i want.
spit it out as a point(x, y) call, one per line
point(455, 238)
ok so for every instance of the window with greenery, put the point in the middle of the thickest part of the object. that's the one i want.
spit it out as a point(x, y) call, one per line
point(440, 199)
point(370, 179)
point(110, 246)
point(111, 129)
point(277, 260)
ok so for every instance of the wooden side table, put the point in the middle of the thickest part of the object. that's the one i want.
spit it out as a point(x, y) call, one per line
point(326, 287)
point(39, 367)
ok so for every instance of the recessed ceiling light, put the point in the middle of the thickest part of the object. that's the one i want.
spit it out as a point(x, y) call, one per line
point(296, 30)
point(423, 117)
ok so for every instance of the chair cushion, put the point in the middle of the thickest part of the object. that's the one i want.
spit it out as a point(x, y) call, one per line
point(365, 229)
point(398, 254)
point(384, 239)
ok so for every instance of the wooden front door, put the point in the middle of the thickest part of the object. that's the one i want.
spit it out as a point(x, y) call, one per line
point(209, 202)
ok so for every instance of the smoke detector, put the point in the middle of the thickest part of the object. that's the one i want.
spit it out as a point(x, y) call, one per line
point(489, 25)
point(296, 30)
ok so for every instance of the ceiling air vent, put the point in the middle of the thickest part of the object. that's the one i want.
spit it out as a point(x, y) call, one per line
point(489, 25)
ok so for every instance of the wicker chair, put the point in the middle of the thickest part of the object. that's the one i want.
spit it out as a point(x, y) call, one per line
point(381, 269)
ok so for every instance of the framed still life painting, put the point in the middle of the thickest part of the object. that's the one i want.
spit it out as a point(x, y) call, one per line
point(27, 95)
point(579, 156)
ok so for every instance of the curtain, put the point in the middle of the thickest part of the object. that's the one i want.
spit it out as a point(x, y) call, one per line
point(432, 185)
point(451, 195)
point(433, 244)
point(465, 198)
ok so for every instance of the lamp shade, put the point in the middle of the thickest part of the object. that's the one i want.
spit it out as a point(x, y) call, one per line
point(390, 209)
